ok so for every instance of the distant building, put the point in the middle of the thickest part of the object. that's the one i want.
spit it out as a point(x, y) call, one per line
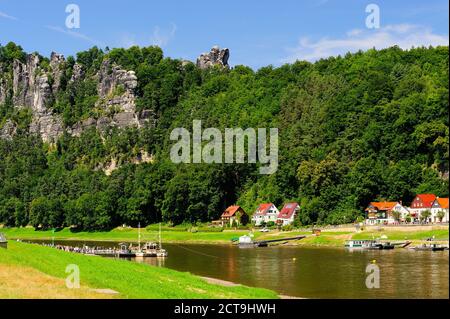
point(440, 205)
point(421, 203)
point(288, 213)
point(383, 213)
point(265, 213)
point(234, 214)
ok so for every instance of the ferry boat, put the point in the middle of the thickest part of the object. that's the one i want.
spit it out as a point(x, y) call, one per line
point(362, 244)
point(369, 244)
point(150, 249)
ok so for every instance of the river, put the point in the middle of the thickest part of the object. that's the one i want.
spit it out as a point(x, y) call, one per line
point(312, 272)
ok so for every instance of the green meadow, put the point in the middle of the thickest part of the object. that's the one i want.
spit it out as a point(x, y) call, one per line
point(127, 234)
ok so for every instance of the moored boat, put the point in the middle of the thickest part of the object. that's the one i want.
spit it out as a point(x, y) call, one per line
point(362, 244)
point(150, 249)
point(432, 247)
point(387, 245)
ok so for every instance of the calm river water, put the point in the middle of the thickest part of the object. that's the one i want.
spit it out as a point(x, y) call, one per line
point(312, 272)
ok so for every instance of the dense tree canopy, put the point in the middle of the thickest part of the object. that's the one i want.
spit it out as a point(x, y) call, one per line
point(366, 126)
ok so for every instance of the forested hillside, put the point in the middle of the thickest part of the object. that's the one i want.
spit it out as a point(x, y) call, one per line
point(370, 125)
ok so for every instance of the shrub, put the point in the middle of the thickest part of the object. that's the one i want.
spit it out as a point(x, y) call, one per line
point(270, 224)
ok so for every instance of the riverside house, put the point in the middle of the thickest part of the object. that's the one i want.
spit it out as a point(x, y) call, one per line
point(234, 215)
point(439, 205)
point(287, 214)
point(382, 213)
point(421, 203)
point(265, 213)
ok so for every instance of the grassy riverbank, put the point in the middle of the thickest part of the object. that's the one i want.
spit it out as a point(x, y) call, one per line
point(32, 271)
point(127, 235)
point(329, 237)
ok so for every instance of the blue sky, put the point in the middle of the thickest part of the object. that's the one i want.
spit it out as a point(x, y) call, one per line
point(257, 32)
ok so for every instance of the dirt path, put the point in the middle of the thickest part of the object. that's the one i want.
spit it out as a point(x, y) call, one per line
point(18, 282)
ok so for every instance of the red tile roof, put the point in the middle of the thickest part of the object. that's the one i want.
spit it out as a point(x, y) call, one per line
point(427, 199)
point(263, 209)
point(230, 211)
point(383, 205)
point(288, 210)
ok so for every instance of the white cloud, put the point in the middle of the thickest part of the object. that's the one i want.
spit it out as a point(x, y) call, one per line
point(405, 36)
point(75, 35)
point(7, 16)
point(162, 38)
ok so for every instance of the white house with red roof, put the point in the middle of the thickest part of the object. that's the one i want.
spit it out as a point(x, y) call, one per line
point(421, 203)
point(287, 214)
point(234, 214)
point(440, 205)
point(383, 213)
point(266, 213)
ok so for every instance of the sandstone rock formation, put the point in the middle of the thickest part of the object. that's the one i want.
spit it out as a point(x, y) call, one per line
point(31, 89)
point(77, 72)
point(116, 89)
point(56, 61)
point(34, 88)
point(112, 78)
point(3, 87)
point(216, 56)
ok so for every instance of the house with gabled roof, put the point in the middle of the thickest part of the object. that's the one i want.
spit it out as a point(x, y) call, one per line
point(383, 212)
point(234, 215)
point(440, 205)
point(287, 214)
point(421, 203)
point(265, 213)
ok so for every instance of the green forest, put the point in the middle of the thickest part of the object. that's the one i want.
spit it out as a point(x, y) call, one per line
point(352, 129)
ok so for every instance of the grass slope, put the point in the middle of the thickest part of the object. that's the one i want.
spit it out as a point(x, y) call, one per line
point(131, 280)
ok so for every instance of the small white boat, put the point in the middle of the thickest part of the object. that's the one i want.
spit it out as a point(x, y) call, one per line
point(245, 241)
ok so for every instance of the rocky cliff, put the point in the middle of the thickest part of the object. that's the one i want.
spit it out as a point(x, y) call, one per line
point(35, 86)
point(31, 88)
point(34, 83)
point(216, 56)
point(116, 89)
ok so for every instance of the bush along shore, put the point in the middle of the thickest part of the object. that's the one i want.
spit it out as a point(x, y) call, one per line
point(333, 237)
point(42, 271)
